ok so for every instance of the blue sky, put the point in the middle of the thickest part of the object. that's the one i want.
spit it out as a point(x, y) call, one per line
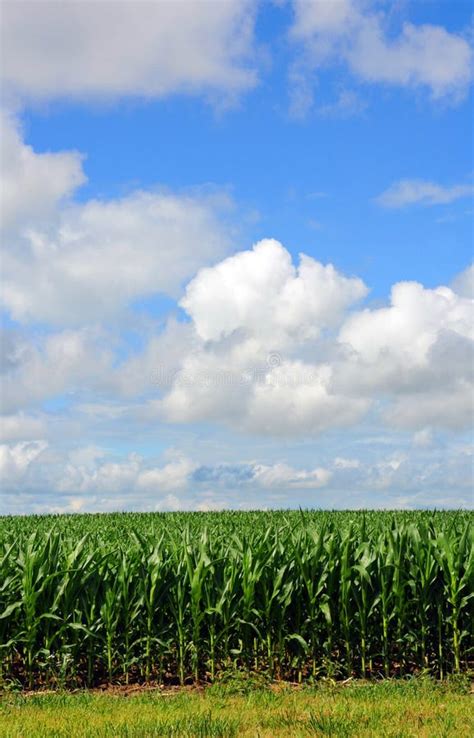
point(161, 139)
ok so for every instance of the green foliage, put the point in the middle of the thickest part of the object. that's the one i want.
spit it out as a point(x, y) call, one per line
point(195, 596)
point(390, 708)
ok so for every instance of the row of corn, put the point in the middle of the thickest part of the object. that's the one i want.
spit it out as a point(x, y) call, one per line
point(189, 597)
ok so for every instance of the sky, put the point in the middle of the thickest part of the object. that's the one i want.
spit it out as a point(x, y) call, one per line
point(236, 266)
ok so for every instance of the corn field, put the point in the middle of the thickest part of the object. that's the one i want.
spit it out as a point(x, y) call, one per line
point(182, 597)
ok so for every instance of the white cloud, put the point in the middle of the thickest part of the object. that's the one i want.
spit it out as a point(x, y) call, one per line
point(169, 503)
point(261, 477)
point(156, 366)
point(38, 479)
point(112, 49)
point(169, 478)
point(404, 361)
point(272, 349)
point(15, 459)
point(421, 192)
point(21, 427)
point(423, 438)
point(346, 104)
point(425, 55)
point(321, 16)
point(91, 471)
point(33, 184)
point(408, 329)
point(65, 362)
point(463, 284)
point(263, 294)
point(342, 463)
point(451, 407)
point(417, 353)
point(245, 311)
point(383, 474)
point(212, 504)
point(104, 255)
point(66, 263)
point(88, 478)
point(298, 399)
point(439, 475)
point(111, 477)
point(86, 456)
point(359, 35)
point(301, 92)
point(282, 475)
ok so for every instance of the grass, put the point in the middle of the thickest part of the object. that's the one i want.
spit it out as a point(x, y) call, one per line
point(416, 707)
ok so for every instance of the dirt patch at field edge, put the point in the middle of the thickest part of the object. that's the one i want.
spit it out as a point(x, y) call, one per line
point(166, 690)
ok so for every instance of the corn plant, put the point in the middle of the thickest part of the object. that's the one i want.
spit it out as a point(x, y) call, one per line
point(185, 596)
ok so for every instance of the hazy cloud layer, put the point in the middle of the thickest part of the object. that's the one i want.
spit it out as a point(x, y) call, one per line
point(360, 37)
point(39, 478)
point(420, 192)
point(106, 50)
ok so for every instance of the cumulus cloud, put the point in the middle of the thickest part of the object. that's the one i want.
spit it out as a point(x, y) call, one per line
point(282, 475)
point(247, 311)
point(68, 361)
point(15, 459)
point(32, 184)
point(112, 49)
point(156, 366)
point(298, 399)
point(417, 353)
point(408, 329)
point(66, 263)
point(262, 293)
point(421, 192)
point(102, 256)
point(463, 284)
point(359, 35)
point(92, 471)
point(404, 361)
point(270, 348)
point(451, 408)
point(169, 478)
point(106, 477)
